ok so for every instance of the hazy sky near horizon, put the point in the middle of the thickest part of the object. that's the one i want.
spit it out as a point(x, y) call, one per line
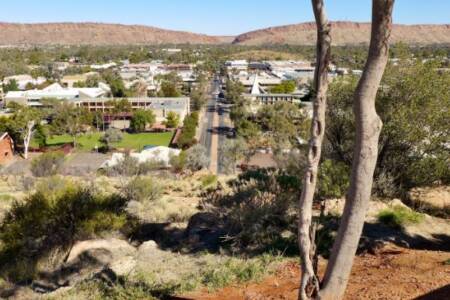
point(215, 17)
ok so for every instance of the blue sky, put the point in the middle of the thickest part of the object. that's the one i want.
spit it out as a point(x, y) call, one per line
point(225, 17)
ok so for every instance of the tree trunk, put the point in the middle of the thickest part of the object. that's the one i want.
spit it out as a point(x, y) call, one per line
point(27, 138)
point(368, 127)
point(306, 234)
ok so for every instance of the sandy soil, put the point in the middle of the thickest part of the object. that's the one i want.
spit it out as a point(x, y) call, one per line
point(395, 273)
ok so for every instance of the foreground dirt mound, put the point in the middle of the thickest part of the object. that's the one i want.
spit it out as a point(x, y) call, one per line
point(394, 273)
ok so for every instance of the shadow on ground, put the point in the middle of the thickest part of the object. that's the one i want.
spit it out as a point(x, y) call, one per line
point(439, 294)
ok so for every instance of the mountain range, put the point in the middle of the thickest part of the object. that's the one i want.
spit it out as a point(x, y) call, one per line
point(343, 33)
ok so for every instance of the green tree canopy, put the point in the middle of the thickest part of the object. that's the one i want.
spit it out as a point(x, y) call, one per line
point(141, 119)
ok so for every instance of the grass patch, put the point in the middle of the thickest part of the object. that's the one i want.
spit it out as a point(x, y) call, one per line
point(236, 270)
point(88, 141)
point(399, 216)
point(7, 198)
point(447, 262)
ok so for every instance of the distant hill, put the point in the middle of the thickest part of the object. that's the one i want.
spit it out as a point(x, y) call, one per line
point(97, 34)
point(345, 33)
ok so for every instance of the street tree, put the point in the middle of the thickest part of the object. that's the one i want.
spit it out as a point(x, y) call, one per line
point(233, 150)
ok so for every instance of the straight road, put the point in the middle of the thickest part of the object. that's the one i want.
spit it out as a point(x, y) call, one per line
point(209, 124)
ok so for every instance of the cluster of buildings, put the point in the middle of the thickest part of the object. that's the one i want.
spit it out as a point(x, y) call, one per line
point(33, 91)
point(147, 74)
point(259, 78)
point(98, 99)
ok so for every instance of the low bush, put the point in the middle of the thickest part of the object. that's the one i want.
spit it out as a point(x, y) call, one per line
point(208, 180)
point(37, 226)
point(130, 166)
point(259, 210)
point(197, 158)
point(47, 164)
point(399, 216)
point(112, 135)
point(142, 189)
point(178, 162)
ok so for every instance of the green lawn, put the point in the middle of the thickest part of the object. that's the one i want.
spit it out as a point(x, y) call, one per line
point(88, 141)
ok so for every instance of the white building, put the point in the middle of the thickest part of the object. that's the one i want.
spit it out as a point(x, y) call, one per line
point(23, 80)
point(55, 91)
point(103, 66)
point(239, 65)
point(159, 154)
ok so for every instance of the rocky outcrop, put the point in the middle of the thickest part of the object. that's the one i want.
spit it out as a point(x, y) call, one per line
point(111, 258)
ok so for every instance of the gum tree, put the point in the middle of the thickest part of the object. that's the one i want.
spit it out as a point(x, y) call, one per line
point(368, 128)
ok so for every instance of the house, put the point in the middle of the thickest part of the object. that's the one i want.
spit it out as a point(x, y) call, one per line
point(6, 148)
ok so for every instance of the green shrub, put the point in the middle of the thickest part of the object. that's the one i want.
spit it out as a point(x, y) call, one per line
point(47, 164)
point(112, 135)
point(187, 136)
point(103, 221)
point(333, 179)
point(399, 216)
point(178, 162)
point(208, 180)
point(37, 226)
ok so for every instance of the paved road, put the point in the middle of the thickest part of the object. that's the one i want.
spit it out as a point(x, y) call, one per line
point(225, 130)
point(208, 127)
point(215, 127)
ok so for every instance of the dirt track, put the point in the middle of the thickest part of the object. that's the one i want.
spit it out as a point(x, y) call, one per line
point(395, 273)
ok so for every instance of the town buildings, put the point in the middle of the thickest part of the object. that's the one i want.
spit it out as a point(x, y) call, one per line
point(55, 91)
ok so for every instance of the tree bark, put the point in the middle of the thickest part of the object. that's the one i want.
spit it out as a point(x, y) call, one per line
point(27, 138)
point(309, 285)
point(368, 128)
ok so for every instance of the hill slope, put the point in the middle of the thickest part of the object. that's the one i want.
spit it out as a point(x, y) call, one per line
point(344, 33)
point(96, 34)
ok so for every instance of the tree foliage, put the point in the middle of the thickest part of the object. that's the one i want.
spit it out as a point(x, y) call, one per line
point(141, 120)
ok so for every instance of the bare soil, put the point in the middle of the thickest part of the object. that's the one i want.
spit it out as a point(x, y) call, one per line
point(394, 273)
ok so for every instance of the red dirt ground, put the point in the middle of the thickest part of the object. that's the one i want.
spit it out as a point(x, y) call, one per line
point(394, 273)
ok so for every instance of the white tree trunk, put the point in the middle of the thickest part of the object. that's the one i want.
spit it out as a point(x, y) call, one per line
point(309, 285)
point(27, 138)
point(368, 127)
